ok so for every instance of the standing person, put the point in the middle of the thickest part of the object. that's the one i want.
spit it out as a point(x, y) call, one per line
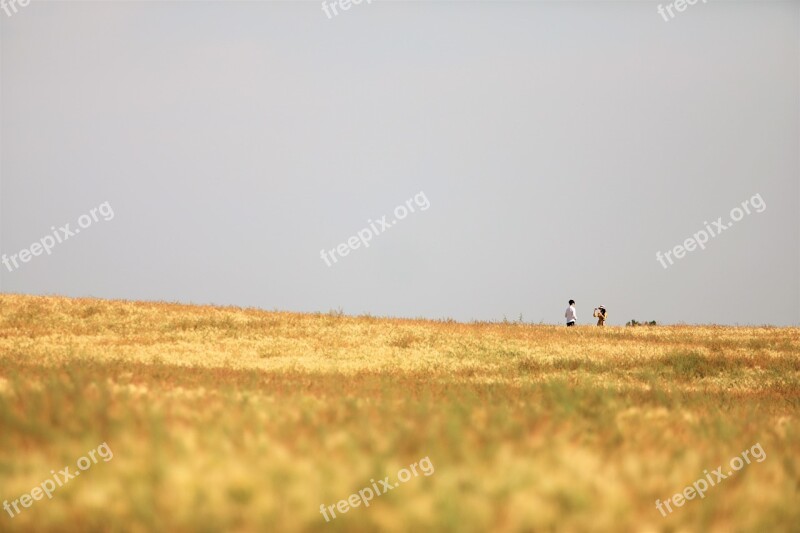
point(600, 315)
point(571, 315)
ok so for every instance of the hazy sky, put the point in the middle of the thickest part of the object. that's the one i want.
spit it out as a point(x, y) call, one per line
point(560, 146)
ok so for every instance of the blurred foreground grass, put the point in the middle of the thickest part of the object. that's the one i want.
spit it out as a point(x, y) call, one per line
point(224, 419)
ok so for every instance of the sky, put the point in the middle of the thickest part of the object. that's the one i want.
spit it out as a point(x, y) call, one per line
point(522, 154)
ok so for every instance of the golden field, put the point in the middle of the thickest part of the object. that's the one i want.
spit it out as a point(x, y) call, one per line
point(228, 419)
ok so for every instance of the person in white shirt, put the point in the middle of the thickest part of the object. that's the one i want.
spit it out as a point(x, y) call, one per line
point(571, 315)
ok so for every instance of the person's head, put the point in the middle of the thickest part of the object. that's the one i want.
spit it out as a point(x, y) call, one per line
point(572, 302)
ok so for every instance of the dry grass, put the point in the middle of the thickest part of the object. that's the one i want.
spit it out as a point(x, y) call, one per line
point(243, 420)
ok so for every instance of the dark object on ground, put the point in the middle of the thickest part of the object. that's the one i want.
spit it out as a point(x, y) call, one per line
point(635, 323)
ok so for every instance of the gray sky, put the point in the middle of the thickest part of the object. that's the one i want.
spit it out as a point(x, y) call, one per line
point(560, 145)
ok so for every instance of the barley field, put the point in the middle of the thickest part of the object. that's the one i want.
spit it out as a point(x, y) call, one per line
point(229, 419)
